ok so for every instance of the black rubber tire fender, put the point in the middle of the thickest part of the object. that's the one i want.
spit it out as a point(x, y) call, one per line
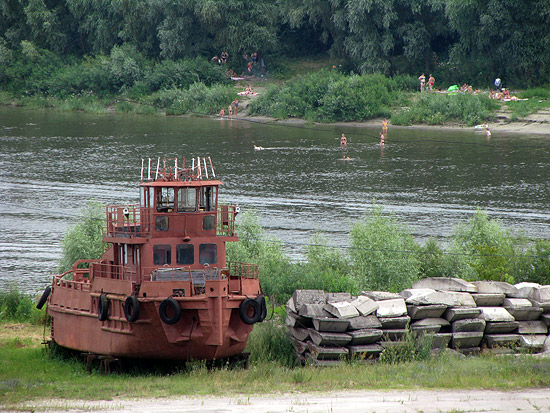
point(44, 297)
point(263, 307)
point(244, 310)
point(172, 304)
point(131, 308)
point(103, 307)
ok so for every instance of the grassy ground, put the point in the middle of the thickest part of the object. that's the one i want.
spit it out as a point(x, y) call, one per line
point(28, 373)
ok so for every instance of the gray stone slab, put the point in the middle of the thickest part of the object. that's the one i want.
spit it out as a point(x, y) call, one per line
point(301, 297)
point(380, 295)
point(516, 303)
point(526, 289)
point(417, 312)
point(542, 294)
point(441, 340)
point(322, 362)
point(330, 324)
point(496, 314)
point(525, 313)
point(545, 305)
point(295, 320)
point(546, 346)
point(476, 325)
point(365, 351)
point(342, 309)
point(466, 340)
point(326, 353)
point(545, 318)
point(361, 322)
point(460, 313)
point(365, 305)
point(395, 322)
point(501, 340)
point(441, 322)
point(446, 284)
point(299, 346)
point(392, 308)
point(367, 336)
point(425, 329)
point(338, 297)
point(496, 287)
point(470, 351)
point(501, 327)
point(395, 334)
point(301, 334)
point(533, 342)
point(532, 327)
point(488, 300)
point(290, 305)
point(428, 296)
point(329, 339)
point(313, 310)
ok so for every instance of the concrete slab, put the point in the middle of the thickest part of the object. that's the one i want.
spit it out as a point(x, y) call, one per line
point(425, 329)
point(441, 340)
point(532, 327)
point(542, 294)
point(427, 296)
point(476, 325)
point(466, 340)
point(342, 309)
point(334, 325)
point(546, 346)
point(516, 303)
point(365, 305)
point(299, 346)
point(525, 313)
point(295, 320)
point(300, 334)
point(545, 318)
point(461, 299)
point(461, 313)
point(496, 287)
point(313, 310)
point(471, 351)
point(441, 322)
point(338, 297)
point(380, 295)
point(446, 284)
point(395, 322)
point(326, 353)
point(488, 300)
point(417, 312)
point(411, 292)
point(329, 339)
point(365, 351)
point(501, 340)
point(525, 289)
point(301, 297)
point(361, 322)
point(496, 314)
point(545, 305)
point(395, 334)
point(366, 336)
point(501, 327)
point(392, 308)
point(290, 305)
point(533, 342)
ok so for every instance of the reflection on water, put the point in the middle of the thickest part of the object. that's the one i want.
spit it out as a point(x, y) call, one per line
point(52, 163)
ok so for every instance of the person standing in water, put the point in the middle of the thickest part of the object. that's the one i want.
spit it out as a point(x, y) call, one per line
point(381, 139)
point(385, 128)
point(343, 140)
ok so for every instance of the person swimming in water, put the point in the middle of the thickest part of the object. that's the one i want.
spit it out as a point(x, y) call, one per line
point(343, 140)
point(382, 139)
point(258, 148)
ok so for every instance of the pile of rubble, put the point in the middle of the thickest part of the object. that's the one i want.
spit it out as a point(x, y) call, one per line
point(465, 316)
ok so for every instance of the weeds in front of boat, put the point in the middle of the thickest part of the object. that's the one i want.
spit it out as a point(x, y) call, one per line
point(28, 375)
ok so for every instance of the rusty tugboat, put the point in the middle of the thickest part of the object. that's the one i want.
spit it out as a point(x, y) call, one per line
point(162, 289)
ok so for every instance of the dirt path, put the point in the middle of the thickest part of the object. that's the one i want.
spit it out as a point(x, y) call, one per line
point(530, 400)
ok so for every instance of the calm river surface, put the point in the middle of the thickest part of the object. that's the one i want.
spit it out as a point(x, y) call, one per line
point(52, 163)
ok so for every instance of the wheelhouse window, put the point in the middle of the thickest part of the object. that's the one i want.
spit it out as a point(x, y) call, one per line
point(187, 199)
point(185, 254)
point(208, 222)
point(207, 198)
point(165, 199)
point(208, 253)
point(162, 254)
point(162, 223)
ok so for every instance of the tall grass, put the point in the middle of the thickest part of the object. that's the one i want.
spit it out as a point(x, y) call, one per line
point(16, 306)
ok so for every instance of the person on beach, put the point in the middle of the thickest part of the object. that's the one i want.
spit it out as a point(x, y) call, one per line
point(222, 113)
point(230, 110)
point(343, 140)
point(236, 106)
point(431, 81)
point(422, 79)
point(385, 127)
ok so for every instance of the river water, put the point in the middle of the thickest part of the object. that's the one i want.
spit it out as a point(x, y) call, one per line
point(52, 163)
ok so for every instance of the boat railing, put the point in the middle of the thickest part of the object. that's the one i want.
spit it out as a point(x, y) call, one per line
point(226, 220)
point(115, 272)
point(242, 269)
point(70, 280)
point(125, 221)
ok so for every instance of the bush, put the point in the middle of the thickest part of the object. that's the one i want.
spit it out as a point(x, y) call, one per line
point(384, 254)
point(413, 348)
point(84, 239)
point(269, 343)
point(16, 306)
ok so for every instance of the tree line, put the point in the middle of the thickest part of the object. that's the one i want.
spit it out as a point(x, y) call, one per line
point(476, 39)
